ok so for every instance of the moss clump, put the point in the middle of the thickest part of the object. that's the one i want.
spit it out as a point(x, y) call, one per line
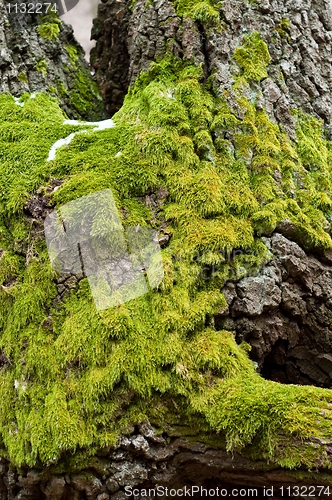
point(73, 53)
point(83, 96)
point(49, 26)
point(27, 134)
point(253, 57)
point(60, 88)
point(256, 411)
point(283, 28)
point(81, 93)
point(22, 77)
point(205, 11)
point(41, 66)
point(89, 376)
point(49, 31)
point(285, 23)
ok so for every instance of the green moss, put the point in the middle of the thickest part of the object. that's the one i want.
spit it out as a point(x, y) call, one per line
point(132, 4)
point(89, 376)
point(27, 134)
point(283, 28)
point(49, 31)
point(275, 414)
point(41, 66)
point(22, 77)
point(205, 11)
point(84, 95)
point(60, 88)
point(285, 23)
point(147, 4)
point(253, 57)
point(81, 93)
point(73, 53)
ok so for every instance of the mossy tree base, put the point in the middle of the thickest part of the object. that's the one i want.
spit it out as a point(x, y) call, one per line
point(146, 459)
point(74, 380)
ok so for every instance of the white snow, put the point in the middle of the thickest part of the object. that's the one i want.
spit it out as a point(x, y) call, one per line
point(17, 101)
point(170, 94)
point(102, 125)
point(58, 144)
point(118, 154)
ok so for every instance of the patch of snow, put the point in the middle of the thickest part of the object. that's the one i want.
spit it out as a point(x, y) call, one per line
point(102, 125)
point(72, 122)
point(170, 94)
point(118, 154)
point(105, 124)
point(58, 144)
point(22, 385)
point(33, 95)
point(17, 101)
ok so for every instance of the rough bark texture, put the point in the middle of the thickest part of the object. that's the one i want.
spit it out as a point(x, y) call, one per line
point(146, 460)
point(285, 311)
point(298, 34)
point(30, 62)
point(285, 314)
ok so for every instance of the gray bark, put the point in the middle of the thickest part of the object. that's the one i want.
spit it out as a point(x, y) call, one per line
point(22, 48)
point(291, 290)
point(145, 460)
point(300, 73)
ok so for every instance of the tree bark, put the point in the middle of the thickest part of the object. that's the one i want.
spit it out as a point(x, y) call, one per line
point(144, 461)
point(298, 35)
point(35, 60)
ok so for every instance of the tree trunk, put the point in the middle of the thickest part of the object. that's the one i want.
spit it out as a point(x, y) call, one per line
point(298, 35)
point(40, 54)
point(282, 310)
